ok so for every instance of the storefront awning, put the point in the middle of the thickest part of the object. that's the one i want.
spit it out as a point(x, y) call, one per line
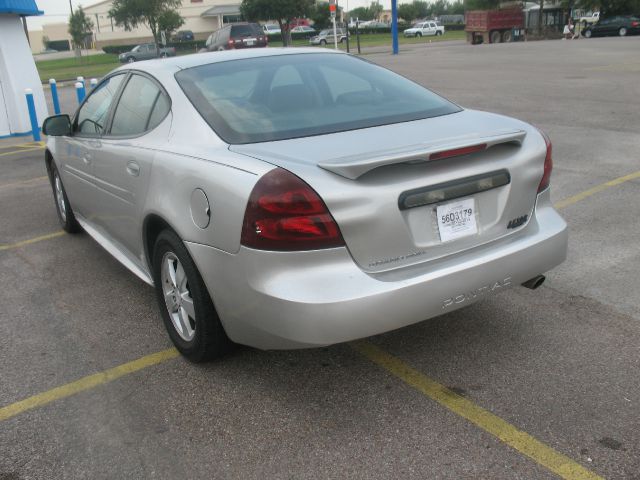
point(221, 10)
point(20, 7)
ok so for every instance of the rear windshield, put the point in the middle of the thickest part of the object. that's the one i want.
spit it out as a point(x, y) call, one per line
point(298, 95)
point(244, 30)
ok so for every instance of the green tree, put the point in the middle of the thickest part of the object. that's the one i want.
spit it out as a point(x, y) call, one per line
point(79, 26)
point(439, 7)
point(321, 16)
point(376, 9)
point(155, 14)
point(361, 13)
point(481, 4)
point(456, 8)
point(281, 10)
point(408, 12)
point(169, 22)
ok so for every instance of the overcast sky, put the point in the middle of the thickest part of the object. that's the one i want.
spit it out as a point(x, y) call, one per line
point(58, 10)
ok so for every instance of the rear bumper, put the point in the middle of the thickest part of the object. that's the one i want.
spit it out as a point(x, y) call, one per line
point(280, 300)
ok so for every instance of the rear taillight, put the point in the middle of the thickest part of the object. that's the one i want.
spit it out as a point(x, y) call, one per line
point(284, 213)
point(548, 163)
point(635, 24)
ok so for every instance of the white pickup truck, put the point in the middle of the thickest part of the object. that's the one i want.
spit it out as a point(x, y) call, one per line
point(423, 29)
point(590, 19)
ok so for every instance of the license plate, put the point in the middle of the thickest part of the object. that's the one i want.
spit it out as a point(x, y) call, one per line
point(457, 219)
point(251, 41)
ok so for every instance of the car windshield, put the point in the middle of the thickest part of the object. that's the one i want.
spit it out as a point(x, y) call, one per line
point(297, 95)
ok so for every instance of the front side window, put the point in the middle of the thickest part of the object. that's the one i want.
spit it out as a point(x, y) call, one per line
point(297, 95)
point(92, 116)
point(142, 107)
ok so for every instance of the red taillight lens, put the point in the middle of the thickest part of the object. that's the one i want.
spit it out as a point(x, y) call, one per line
point(456, 152)
point(284, 213)
point(635, 24)
point(548, 163)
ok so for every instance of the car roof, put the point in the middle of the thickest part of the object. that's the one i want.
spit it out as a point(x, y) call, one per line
point(174, 64)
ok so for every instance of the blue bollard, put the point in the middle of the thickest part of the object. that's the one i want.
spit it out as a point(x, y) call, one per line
point(80, 92)
point(54, 95)
point(81, 80)
point(35, 129)
point(93, 82)
point(394, 25)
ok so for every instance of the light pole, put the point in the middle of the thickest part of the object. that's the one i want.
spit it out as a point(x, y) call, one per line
point(70, 7)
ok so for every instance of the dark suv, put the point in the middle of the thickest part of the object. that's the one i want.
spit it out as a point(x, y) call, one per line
point(238, 35)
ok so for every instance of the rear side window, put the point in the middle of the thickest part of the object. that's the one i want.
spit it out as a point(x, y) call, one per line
point(142, 106)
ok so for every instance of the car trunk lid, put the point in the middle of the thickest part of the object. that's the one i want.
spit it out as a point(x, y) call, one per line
point(388, 186)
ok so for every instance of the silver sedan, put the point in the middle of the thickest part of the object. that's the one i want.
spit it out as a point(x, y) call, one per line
point(290, 198)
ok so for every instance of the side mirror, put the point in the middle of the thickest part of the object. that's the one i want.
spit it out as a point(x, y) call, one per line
point(57, 126)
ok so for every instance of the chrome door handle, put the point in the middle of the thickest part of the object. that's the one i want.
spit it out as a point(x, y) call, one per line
point(86, 159)
point(133, 169)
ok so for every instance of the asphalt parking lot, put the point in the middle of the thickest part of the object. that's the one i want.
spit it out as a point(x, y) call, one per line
point(524, 385)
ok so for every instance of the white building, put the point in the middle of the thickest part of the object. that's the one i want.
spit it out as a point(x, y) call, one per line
point(201, 17)
point(17, 70)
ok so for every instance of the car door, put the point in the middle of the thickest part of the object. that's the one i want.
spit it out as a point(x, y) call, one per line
point(432, 28)
point(601, 28)
point(88, 126)
point(123, 165)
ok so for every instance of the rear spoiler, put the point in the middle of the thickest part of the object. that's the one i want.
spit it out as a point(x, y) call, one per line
point(354, 166)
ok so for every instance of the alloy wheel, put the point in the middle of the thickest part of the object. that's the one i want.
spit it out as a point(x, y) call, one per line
point(59, 191)
point(177, 296)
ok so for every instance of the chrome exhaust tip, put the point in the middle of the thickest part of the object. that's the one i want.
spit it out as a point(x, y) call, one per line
point(534, 282)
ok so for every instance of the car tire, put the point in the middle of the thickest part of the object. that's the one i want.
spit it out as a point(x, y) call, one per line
point(495, 37)
point(221, 48)
point(418, 34)
point(130, 59)
point(587, 33)
point(187, 309)
point(622, 32)
point(66, 217)
point(323, 42)
point(506, 36)
point(438, 33)
point(163, 55)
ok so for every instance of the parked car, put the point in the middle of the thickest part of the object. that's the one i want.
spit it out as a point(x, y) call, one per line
point(183, 36)
point(270, 29)
point(423, 29)
point(326, 37)
point(146, 51)
point(304, 29)
point(619, 25)
point(590, 19)
point(237, 35)
point(295, 198)
point(373, 24)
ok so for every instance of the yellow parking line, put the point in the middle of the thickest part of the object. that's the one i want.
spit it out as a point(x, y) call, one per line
point(85, 383)
point(24, 182)
point(598, 188)
point(49, 236)
point(40, 144)
point(31, 149)
point(507, 433)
